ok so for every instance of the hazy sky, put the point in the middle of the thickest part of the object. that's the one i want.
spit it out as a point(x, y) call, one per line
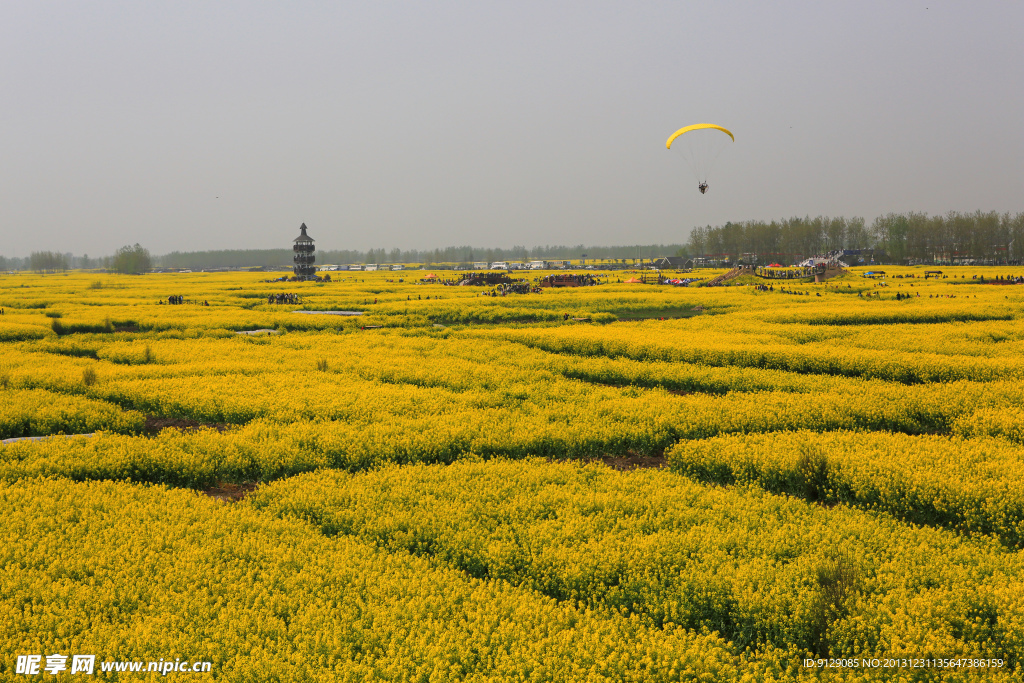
point(210, 125)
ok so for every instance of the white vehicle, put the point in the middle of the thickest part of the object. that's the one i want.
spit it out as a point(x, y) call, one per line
point(355, 266)
point(499, 265)
point(398, 266)
point(536, 265)
point(479, 266)
point(370, 266)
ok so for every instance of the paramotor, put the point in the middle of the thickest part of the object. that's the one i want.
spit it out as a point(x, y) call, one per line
point(700, 145)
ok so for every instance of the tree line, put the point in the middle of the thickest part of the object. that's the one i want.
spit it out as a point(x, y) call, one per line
point(894, 237)
point(128, 259)
point(251, 258)
point(46, 262)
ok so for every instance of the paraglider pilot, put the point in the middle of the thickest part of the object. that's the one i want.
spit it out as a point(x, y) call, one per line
point(703, 187)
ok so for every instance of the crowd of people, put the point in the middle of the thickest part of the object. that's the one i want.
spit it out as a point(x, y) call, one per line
point(178, 300)
point(785, 273)
point(568, 280)
point(1009, 279)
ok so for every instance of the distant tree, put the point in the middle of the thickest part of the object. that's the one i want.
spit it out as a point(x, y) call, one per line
point(857, 236)
point(890, 233)
point(47, 262)
point(131, 260)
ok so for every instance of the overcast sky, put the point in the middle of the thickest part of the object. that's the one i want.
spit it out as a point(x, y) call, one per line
point(212, 125)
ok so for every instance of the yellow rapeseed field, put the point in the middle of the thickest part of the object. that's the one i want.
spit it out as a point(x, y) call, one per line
point(444, 482)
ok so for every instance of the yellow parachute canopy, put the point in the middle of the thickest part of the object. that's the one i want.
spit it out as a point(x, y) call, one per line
point(697, 126)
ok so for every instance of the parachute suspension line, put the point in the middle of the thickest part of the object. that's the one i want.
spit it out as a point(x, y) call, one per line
point(714, 159)
point(702, 151)
point(693, 158)
point(696, 153)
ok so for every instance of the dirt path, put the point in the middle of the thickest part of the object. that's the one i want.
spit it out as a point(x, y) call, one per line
point(230, 493)
point(635, 462)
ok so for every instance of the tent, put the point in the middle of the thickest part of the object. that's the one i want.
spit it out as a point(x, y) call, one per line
point(775, 265)
point(430, 277)
point(634, 281)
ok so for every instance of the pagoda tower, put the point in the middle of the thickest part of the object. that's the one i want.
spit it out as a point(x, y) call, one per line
point(304, 257)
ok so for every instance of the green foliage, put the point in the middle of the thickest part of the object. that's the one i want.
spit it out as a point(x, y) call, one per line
point(895, 237)
point(64, 327)
point(812, 472)
point(837, 580)
point(133, 260)
point(464, 255)
point(48, 262)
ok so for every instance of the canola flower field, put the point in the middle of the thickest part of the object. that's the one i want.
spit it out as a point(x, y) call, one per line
point(443, 487)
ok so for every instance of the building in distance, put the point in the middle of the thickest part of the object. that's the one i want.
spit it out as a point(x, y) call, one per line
point(304, 258)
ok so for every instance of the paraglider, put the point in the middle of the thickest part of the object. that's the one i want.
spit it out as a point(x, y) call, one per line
point(701, 145)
